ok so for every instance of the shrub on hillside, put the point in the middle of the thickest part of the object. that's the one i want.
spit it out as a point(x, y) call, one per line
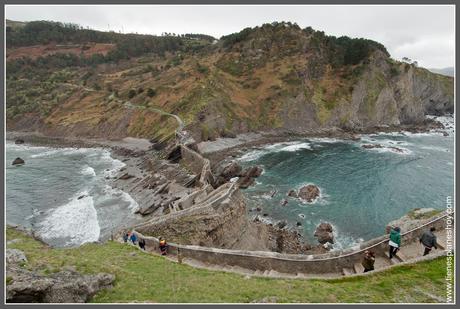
point(131, 93)
point(151, 92)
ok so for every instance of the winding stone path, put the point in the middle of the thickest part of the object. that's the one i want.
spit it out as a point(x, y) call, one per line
point(410, 253)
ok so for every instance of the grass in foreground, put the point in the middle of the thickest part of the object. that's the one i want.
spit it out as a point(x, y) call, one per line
point(146, 278)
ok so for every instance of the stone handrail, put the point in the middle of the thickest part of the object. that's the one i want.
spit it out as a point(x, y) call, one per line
point(289, 263)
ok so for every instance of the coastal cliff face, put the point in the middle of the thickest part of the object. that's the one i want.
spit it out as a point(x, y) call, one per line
point(226, 226)
point(276, 76)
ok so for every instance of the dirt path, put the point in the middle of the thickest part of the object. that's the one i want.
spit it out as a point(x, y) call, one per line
point(156, 110)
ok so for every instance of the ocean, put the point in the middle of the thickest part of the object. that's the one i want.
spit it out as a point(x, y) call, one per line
point(64, 194)
point(361, 189)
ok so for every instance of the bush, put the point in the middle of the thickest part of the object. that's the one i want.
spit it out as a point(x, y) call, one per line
point(140, 90)
point(131, 93)
point(202, 69)
point(151, 92)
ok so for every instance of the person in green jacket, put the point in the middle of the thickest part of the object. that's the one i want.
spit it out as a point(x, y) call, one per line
point(395, 241)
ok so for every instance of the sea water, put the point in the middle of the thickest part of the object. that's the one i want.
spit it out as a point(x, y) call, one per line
point(361, 189)
point(64, 194)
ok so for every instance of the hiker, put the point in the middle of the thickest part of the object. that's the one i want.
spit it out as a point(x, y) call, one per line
point(133, 238)
point(125, 237)
point(368, 260)
point(142, 243)
point(395, 241)
point(163, 246)
point(428, 240)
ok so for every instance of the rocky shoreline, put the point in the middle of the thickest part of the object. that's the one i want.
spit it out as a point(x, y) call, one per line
point(254, 140)
point(145, 174)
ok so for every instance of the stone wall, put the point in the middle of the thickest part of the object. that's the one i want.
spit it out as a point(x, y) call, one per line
point(291, 263)
point(192, 160)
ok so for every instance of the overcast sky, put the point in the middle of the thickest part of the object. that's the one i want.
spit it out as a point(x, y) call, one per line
point(422, 33)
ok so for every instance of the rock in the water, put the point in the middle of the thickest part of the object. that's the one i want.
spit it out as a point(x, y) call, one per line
point(231, 170)
point(292, 193)
point(15, 256)
point(299, 223)
point(253, 171)
point(371, 146)
point(228, 172)
point(324, 233)
point(281, 224)
point(125, 176)
point(247, 176)
point(19, 141)
point(396, 149)
point(245, 182)
point(62, 287)
point(18, 161)
point(309, 193)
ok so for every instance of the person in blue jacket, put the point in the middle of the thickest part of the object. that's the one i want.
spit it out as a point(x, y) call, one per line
point(133, 238)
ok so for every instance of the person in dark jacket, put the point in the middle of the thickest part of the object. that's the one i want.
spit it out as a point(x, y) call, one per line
point(163, 246)
point(395, 241)
point(428, 240)
point(368, 261)
point(142, 243)
point(125, 237)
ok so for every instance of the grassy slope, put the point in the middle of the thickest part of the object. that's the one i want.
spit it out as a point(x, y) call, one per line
point(147, 278)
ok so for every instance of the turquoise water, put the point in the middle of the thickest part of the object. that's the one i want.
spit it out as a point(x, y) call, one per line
point(361, 189)
point(65, 195)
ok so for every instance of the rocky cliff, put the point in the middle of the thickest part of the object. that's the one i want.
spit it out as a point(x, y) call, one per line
point(276, 76)
point(226, 226)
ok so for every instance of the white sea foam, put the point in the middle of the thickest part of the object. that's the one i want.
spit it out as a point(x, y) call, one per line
point(76, 220)
point(252, 155)
point(296, 147)
point(88, 171)
point(387, 146)
point(328, 140)
point(277, 147)
point(397, 150)
point(116, 164)
point(114, 192)
point(61, 152)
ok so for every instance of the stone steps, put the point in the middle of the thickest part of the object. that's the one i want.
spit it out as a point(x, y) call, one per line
point(348, 271)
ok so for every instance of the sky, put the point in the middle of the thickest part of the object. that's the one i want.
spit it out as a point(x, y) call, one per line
point(422, 33)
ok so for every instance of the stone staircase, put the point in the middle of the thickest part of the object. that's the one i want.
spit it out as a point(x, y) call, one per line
point(409, 253)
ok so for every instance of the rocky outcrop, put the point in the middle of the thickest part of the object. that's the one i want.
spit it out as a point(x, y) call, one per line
point(413, 219)
point(226, 225)
point(229, 171)
point(293, 193)
point(245, 182)
point(15, 256)
point(324, 233)
point(63, 287)
point(248, 176)
point(371, 146)
point(18, 161)
point(125, 176)
point(309, 193)
point(19, 141)
point(67, 286)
